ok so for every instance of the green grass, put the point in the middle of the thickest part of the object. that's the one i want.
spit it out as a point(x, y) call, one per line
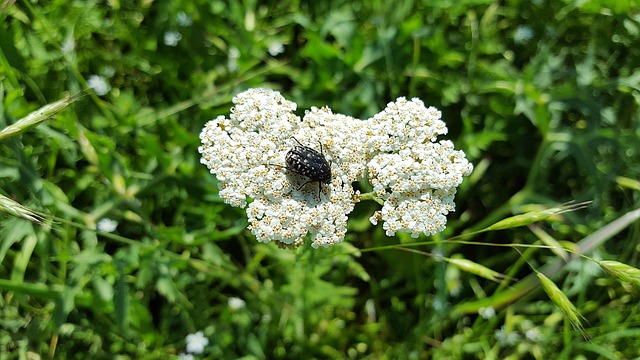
point(542, 96)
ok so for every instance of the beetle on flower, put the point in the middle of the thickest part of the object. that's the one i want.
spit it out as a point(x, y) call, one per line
point(412, 176)
point(310, 163)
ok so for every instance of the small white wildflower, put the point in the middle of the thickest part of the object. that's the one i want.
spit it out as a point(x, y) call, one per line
point(68, 45)
point(370, 309)
point(184, 19)
point(438, 305)
point(275, 48)
point(236, 303)
point(183, 356)
point(107, 225)
point(196, 343)
point(507, 337)
point(415, 176)
point(534, 334)
point(98, 84)
point(531, 331)
point(523, 34)
point(232, 59)
point(172, 38)
point(108, 71)
point(455, 288)
point(487, 312)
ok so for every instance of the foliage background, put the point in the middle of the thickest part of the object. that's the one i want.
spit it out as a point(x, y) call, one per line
point(542, 96)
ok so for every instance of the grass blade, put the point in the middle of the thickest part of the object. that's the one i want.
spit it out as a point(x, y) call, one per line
point(38, 116)
point(532, 217)
point(14, 208)
point(622, 272)
point(562, 301)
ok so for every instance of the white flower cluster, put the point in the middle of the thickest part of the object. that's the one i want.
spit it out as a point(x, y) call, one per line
point(414, 176)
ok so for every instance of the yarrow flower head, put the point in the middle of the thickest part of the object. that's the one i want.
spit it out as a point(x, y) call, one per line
point(414, 177)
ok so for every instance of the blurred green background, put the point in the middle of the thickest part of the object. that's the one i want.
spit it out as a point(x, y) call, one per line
point(541, 95)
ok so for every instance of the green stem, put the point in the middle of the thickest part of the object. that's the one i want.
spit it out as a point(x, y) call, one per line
point(371, 196)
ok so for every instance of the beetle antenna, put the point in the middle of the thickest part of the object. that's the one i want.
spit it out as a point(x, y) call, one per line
point(299, 143)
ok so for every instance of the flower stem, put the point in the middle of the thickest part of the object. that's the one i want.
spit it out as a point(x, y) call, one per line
point(371, 196)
